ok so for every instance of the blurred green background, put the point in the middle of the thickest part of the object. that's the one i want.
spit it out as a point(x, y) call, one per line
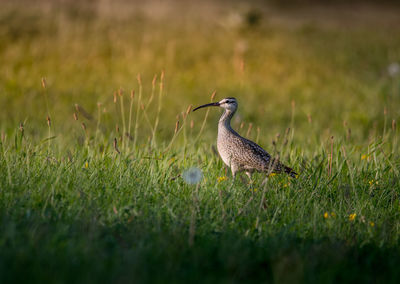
point(92, 213)
point(332, 64)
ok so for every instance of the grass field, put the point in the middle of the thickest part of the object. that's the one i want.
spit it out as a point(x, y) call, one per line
point(97, 137)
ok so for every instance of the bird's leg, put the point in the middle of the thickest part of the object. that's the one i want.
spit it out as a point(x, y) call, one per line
point(250, 182)
point(234, 170)
point(249, 175)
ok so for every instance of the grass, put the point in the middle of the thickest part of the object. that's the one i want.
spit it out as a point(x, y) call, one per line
point(96, 194)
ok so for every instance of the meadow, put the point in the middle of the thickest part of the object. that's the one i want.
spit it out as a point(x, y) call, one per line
point(97, 137)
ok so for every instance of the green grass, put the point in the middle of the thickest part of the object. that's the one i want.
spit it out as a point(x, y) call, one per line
point(80, 201)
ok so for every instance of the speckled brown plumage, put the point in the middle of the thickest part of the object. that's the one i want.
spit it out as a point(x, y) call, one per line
point(239, 153)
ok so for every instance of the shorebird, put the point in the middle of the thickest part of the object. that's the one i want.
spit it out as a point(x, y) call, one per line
point(239, 153)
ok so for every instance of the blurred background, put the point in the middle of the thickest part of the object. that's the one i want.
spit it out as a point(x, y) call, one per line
point(322, 67)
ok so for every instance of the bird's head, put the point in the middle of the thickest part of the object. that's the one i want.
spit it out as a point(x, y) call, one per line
point(227, 103)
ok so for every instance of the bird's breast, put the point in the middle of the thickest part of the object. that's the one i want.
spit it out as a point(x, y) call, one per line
point(224, 152)
point(226, 146)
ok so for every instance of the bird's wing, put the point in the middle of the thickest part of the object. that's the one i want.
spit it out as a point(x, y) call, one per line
point(256, 157)
point(269, 162)
point(257, 150)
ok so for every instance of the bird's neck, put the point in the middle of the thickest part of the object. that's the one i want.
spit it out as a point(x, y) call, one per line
point(225, 120)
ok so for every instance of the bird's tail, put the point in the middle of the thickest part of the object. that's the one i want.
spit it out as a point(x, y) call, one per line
point(290, 172)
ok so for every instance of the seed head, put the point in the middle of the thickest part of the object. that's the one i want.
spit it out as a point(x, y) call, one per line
point(249, 129)
point(213, 95)
point(309, 118)
point(44, 84)
point(116, 146)
point(242, 65)
point(127, 134)
point(188, 109)
point(154, 80)
point(176, 126)
point(82, 111)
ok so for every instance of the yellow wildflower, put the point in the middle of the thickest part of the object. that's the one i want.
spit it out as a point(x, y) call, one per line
point(371, 182)
point(255, 189)
point(352, 216)
point(272, 174)
point(372, 224)
point(86, 165)
point(220, 179)
point(326, 215)
point(363, 157)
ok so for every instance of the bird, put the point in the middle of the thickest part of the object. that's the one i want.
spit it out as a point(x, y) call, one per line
point(239, 153)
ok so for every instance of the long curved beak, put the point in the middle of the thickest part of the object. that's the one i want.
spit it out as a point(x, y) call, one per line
point(207, 105)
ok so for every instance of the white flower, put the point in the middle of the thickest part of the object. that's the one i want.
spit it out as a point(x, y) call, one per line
point(393, 69)
point(192, 175)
